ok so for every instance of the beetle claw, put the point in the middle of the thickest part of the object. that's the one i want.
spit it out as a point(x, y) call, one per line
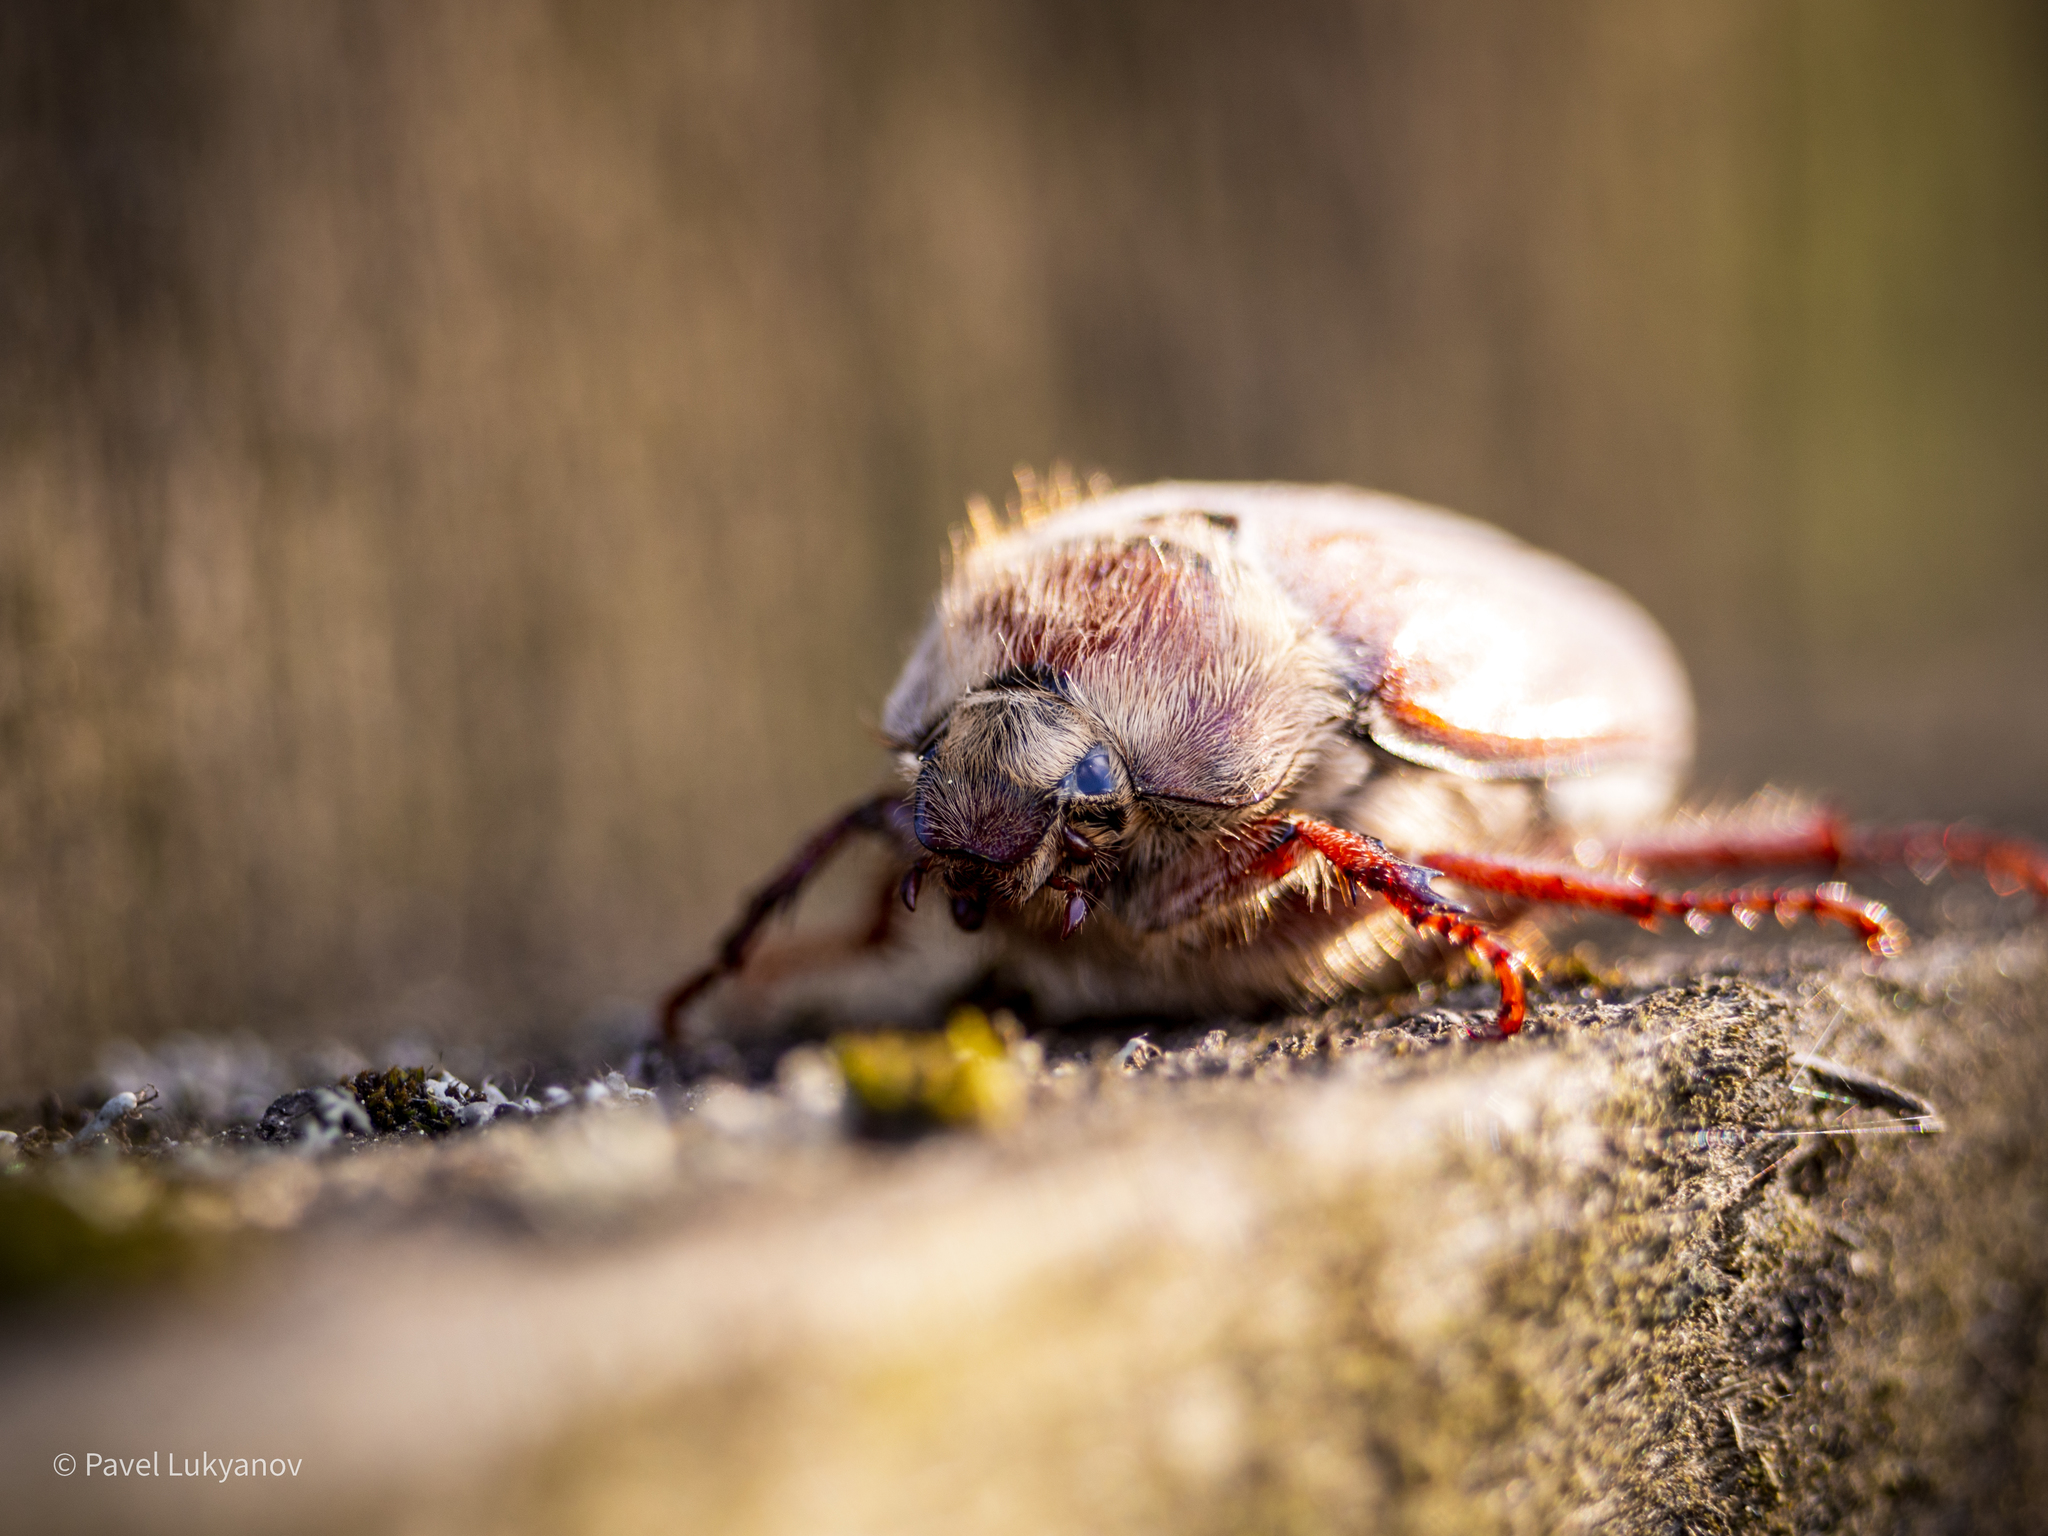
point(1426, 878)
point(913, 881)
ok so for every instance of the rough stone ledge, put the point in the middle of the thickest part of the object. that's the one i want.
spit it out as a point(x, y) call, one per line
point(1602, 1276)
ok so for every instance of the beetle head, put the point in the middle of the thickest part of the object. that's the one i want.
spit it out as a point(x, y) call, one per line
point(1018, 790)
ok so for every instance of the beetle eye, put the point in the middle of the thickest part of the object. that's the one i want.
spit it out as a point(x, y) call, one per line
point(1093, 775)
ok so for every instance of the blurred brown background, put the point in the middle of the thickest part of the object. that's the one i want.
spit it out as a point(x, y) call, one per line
point(469, 471)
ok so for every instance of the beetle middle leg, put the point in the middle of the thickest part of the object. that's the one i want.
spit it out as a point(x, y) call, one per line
point(875, 815)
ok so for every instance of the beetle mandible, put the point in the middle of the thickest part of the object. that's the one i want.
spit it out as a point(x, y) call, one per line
point(1205, 748)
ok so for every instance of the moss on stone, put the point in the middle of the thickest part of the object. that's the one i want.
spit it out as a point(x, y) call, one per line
point(396, 1099)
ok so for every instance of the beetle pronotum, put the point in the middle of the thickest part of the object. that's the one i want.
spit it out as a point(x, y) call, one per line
point(1203, 749)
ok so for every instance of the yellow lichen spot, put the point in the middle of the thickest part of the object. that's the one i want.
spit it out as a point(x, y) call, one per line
point(962, 1075)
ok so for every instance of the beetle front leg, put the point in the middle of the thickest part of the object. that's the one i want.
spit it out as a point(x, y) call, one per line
point(1365, 863)
point(875, 815)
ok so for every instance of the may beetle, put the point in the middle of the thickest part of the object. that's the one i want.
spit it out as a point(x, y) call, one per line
point(1204, 749)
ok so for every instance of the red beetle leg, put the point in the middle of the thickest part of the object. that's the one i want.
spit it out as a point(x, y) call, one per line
point(2010, 864)
point(1564, 887)
point(1813, 837)
point(1365, 862)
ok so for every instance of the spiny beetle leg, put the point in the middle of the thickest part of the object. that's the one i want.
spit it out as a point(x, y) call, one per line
point(1365, 862)
point(1558, 886)
point(2010, 864)
point(1811, 837)
point(872, 815)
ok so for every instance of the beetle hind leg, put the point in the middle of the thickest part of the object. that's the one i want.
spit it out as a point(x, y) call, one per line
point(1554, 885)
point(1824, 838)
point(2009, 864)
